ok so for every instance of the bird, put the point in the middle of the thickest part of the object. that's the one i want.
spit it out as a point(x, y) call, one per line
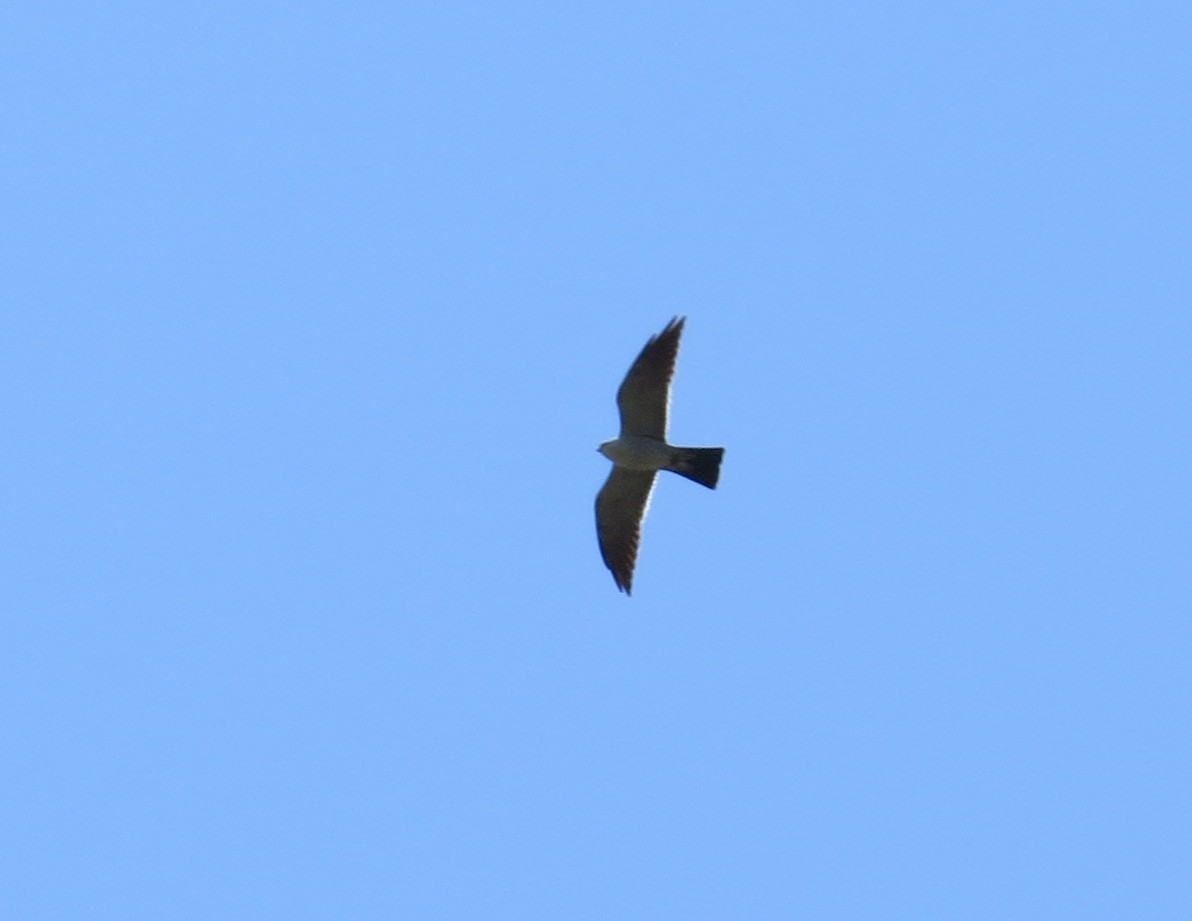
point(640, 451)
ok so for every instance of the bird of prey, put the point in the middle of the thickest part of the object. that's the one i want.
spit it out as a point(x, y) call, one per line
point(641, 451)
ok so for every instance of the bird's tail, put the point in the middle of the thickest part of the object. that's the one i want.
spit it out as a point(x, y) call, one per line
point(699, 464)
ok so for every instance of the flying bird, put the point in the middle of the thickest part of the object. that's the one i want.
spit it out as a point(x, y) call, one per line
point(641, 451)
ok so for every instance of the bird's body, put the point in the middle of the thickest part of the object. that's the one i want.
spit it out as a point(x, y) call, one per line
point(638, 452)
point(641, 451)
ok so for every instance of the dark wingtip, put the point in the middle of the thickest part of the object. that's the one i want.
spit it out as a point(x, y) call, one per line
point(673, 328)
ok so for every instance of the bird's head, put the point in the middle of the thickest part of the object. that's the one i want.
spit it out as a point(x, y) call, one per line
point(603, 449)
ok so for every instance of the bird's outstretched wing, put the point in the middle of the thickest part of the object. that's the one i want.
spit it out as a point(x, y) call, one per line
point(645, 393)
point(620, 507)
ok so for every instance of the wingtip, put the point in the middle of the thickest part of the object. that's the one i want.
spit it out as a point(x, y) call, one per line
point(673, 327)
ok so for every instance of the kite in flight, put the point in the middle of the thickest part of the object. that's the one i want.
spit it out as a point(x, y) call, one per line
point(641, 451)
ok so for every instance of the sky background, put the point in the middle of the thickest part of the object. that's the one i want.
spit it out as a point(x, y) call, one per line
point(313, 315)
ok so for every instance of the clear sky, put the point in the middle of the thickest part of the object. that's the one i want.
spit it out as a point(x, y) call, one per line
point(313, 315)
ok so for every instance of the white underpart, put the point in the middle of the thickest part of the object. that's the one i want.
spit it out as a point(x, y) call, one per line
point(637, 452)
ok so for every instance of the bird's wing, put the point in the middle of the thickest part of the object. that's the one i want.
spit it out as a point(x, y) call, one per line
point(620, 507)
point(645, 393)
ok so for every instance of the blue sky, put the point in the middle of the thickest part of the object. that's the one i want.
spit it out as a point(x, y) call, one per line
point(313, 319)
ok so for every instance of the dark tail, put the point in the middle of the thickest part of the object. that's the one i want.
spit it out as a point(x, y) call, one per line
point(699, 464)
